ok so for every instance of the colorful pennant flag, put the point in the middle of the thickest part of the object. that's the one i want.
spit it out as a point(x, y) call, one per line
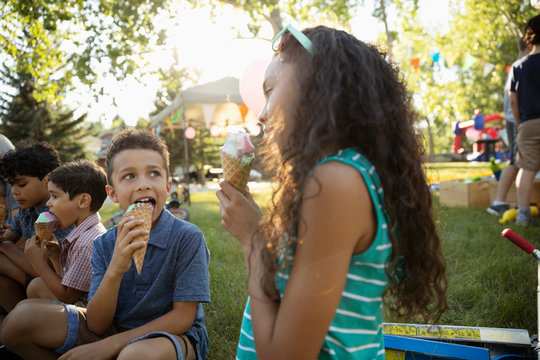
point(452, 57)
point(158, 130)
point(170, 127)
point(469, 61)
point(488, 67)
point(243, 111)
point(415, 63)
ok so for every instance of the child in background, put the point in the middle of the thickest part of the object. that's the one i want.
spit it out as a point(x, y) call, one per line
point(77, 192)
point(13, 207)
point(157, 314)
point(26, 169)
point(350, 219)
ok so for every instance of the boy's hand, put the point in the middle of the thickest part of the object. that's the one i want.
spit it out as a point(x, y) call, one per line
point(3, 229)
point(124, 248)
point(33, 251)
point(51, 247)
point(94, 351)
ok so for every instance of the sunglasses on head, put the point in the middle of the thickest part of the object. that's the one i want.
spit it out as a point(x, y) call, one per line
point(298, 35)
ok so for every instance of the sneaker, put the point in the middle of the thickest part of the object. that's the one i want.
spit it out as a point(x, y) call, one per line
point(498, 209)
point(523, 219)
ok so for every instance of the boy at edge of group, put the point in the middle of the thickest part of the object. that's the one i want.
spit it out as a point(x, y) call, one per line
point(77, 192)
point(26, 169)
point(157, 314)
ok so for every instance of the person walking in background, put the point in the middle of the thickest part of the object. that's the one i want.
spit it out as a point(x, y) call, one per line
point(525, 103)
point(508, 176)
point(351, 211)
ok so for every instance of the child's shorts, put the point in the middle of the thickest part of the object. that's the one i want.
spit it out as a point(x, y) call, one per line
point(79, 334)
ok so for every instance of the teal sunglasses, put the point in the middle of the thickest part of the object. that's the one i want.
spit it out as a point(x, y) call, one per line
point(298, 35)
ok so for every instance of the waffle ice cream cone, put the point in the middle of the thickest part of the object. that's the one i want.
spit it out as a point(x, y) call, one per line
point(234, 172)
point(237, 155)
point(140, 211)
point(3, 213)
point(44, 225)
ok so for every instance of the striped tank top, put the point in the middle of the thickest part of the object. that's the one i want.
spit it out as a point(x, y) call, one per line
point(356, 331)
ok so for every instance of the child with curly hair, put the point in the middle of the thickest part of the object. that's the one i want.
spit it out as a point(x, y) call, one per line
point(26, 169)
point(350, 223)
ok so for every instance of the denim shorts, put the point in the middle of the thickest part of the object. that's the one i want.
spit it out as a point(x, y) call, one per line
point(79, 334)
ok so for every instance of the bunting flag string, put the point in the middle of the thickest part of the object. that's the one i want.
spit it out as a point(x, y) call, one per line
point(451, 57)
point(158, 130)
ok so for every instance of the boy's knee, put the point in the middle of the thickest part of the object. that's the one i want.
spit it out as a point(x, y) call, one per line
point(135, 351)
point(146, 350)
point(16, 324)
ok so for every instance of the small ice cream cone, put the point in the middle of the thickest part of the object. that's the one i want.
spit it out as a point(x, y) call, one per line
point(140, 211)
point(44, 225)
point(3, 213)
point(234, 172)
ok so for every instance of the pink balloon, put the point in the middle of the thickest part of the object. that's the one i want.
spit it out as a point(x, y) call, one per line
point(250, 85)
point(190, 133)
point(215, 130)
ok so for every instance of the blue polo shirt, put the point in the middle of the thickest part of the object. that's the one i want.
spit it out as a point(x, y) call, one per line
point(175, 269)
point(23, 223)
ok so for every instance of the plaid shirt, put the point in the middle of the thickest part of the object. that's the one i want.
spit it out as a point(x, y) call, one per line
point(76, 254)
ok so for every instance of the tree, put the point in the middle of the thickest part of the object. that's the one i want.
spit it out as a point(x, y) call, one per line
point(24, 118)
point(62, 39)
point(272, 11)
point(446, 91)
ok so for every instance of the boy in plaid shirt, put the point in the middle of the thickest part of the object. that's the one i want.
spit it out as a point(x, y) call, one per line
point(77, 192)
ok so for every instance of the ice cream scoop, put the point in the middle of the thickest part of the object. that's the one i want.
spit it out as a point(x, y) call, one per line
point(237, 155)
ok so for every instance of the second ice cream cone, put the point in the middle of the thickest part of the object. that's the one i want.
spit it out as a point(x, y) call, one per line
point(44, 226)
point(234, 172)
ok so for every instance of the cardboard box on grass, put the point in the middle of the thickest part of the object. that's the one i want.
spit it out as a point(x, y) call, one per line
point(511, 197)
point(460, 193)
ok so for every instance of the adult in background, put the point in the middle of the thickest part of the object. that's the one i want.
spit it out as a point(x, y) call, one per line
point(508, 176)
point(525, 103)
point(13, 207)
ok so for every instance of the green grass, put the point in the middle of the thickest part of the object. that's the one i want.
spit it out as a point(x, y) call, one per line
point(492, 283)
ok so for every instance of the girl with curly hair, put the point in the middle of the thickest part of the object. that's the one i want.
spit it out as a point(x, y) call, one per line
point(350, 222)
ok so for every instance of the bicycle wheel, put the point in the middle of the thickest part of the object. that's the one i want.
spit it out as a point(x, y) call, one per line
point(182, 214)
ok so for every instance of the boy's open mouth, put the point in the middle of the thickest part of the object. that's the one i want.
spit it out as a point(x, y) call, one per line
point(147, 200)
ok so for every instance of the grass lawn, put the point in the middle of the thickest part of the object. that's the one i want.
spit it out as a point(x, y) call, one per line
point(492, 283)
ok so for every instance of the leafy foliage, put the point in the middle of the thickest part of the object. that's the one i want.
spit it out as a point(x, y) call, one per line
point(24, 118)
point(55, 41)
point(446, 92)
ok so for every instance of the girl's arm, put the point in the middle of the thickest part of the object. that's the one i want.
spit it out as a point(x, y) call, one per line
point(101, 308)
point(337, 221)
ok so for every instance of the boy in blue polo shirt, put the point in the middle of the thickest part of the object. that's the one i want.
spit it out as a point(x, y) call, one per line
point(157, 314)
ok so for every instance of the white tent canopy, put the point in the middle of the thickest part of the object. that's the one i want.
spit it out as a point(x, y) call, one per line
point(213, 103)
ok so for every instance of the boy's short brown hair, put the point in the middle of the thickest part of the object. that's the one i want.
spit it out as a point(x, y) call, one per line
point(135, 139)
point(81, 177)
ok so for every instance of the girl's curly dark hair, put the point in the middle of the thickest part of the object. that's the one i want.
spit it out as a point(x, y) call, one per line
point(350, 96)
